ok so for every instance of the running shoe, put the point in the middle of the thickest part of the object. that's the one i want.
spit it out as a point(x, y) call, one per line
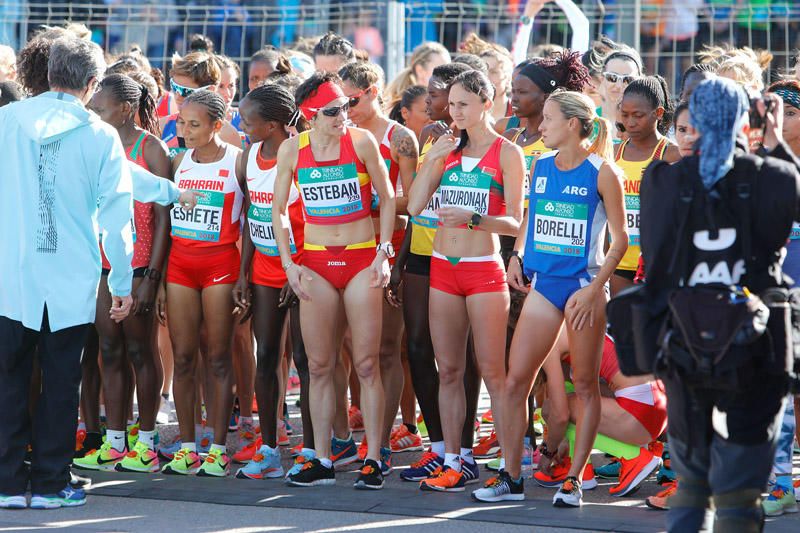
point(386, 461)
point(402, 440)
point(80, 436)
point(487, 448)
point(77, 481)
point(294, 451)
point(363, 449)
point(90, 441)
point(343, 452)
point(233, 425)
point(301, 459)
point(266, 464)
point(471, 472)
point(494, 464)
point(248, 434)
point(166, 452)
point(289, 428)
point(132, 433)
point(204, 441)
point(500, 488)
point(355, 418)
point(570, 494)
point(17, 501)
point(660, 501)
point(246, 454)
point(140, 459)
point(312, 473)
point(421, 427)
point(217, 464)
point(665, 474)
point(103, 459)
point(657, 447)
point(560, 475)
point(184, 463)
point(538, 422)
point(634, 471)
point(445, 479)
point(66, 497)
point(487, 417)
point(797, 490)
point(610, 470)
point(779, 501)
point(283, 434)
point(370, 476)
point(423, 468)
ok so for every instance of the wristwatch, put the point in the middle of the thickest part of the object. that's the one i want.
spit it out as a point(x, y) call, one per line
point(153, 274)
point(515, 254)
point(474, 221)
point(387, 248)
point(525, 20)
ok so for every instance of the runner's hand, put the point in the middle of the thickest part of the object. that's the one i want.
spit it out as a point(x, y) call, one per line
point(579, 310)
point(161, 305)
point(242, 296)
point(515, 277)
point(380, 271)
point(773, 133)
point(145, 297)
point(188, 199)
point(443, 146)
point(453, 217)
point(287, 297)
point(392, 292)
point(296, 274)
point(120, 307)
point(439, 128)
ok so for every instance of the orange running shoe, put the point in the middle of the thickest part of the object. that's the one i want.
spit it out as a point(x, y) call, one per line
point(402, 440)
point(559, 475)
point(487, 448)
point(245, 455)
point(355, 418)
point(443, 480)
point(657, 447)
point(362, 449)
point(296, 450)
point(633, 471)
point(487, 417)
point(80, 436)
point(660, 501)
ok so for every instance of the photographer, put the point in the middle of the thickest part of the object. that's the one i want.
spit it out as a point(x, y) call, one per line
point(713, 227)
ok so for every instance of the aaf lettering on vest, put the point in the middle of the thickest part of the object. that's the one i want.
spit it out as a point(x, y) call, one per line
point(721, 271)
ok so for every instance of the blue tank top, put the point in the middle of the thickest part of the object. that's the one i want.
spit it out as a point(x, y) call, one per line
point(566, 221)
point(791, 265)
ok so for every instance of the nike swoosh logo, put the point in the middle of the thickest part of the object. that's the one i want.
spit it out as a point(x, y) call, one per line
point(335, 457)
point(102, 461)
point(216, 280)
point(183, 171)
point(148, 461)
point(251, 179)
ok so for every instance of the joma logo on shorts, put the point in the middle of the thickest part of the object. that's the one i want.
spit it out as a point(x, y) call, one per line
point(336, 263)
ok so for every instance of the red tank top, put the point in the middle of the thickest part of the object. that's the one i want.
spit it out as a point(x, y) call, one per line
point(391, 165)
point(165, 105)
point(479, 189)
point(609, 365)
point(143, 219)
point(332, 192)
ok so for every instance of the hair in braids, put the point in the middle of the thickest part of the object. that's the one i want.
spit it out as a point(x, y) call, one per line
point(474, 82)
point(656, 91)
point(123, 88)
point(566, 69)
point(274, 104)
point(333, 44)
point(211, 101)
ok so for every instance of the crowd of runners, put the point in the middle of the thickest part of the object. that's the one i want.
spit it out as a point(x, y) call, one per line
point(380, 245)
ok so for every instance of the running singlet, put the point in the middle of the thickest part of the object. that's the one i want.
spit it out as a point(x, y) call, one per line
point(391, 165)
point(165, 104)
point(332, 192)
point(427, 221)
point(480, 189)
point(531, 152)
point(567, 220)
point(215, 219)
point(170, 136)
point(143, 224)
point(261, 186)
point(634, 170)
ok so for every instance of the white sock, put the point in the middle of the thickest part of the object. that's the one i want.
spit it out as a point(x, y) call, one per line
point(466, 454)
point(81, 426)
point(453, 461)
point(148, 438)
point(219, 447)
point(438, 448)
point(327, 463)
point(116, 438)
point(191, 446)
point(502, 463)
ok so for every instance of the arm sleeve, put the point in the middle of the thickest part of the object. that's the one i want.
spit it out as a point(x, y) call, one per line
point(114, 214)
point(147, 187)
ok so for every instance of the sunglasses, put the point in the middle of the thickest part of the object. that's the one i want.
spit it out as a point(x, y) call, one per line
point(182, 91)
point(354, 100)
point(612, 77)
point(334, 111)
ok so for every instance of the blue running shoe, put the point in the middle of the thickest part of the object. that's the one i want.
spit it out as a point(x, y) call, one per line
point(343, 452)
point(167, 451)
point(302, 458)
point(386, 461)
point(67, 497)
point(13, 502)
point(471, 472)
point(609, 471)
point(423, 468)
point(266, 464)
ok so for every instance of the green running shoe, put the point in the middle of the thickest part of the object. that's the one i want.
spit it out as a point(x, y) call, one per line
point(105, 458)
point(216, 464)
point(140, 459)
point(184, 463)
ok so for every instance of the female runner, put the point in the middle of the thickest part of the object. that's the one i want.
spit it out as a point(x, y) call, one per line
point(480, 182)
point(333, 166)
point(410, 110)
point(620, 67)
point(203, 266)
point(574, 191)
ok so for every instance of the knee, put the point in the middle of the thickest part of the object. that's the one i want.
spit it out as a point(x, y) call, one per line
point(452, 375)
point(136, 353)
point(111, 350)
point(586, 388)
point(367, 369)
point(183, 365)
point(219, 365)
point(266, 360)
point(495, 382)
point(516, 387)
point(321, 370)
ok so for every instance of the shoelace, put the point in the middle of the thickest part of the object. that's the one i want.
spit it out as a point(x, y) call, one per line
point(258, 458)
point(493, 482)
point(307, 465)
point(488, 438)
point(569, 485)
point(778, 493)
point(133, 454)
point(427, 458)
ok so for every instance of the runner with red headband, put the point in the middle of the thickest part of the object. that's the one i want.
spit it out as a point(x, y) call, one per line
point(334, 166)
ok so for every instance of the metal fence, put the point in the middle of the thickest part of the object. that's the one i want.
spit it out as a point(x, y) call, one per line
point(668, 33)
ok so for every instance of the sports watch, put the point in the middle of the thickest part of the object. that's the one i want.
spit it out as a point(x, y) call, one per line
point(474, 221)
point(387, 248)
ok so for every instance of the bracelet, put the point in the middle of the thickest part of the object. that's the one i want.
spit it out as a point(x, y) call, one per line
point(151, 273)
point(545, 451)
point(287, 265)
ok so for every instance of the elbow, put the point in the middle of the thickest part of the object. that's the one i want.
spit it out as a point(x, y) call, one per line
point(413, 209)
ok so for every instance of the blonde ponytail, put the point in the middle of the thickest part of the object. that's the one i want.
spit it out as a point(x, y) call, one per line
point(602, 144)
point(577, 105)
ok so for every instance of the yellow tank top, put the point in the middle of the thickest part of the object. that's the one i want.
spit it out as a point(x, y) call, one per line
point(532, 152)
point(633, 179)
point(425, 223)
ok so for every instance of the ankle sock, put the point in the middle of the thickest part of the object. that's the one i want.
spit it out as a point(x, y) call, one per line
point(453, 461)
point(327, 463)
point(116, 438)
point(412, 428)
point(438, 448)
point(148, 438)
point(604, 443)
point(466, 455)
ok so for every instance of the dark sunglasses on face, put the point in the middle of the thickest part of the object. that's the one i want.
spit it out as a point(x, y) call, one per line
point(613, 77)
point(354, 100)
point(334, 111)
point(182, 91)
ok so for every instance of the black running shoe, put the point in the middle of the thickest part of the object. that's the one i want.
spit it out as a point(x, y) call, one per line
point(570, 494)
point(313, 473)
point(370, 476)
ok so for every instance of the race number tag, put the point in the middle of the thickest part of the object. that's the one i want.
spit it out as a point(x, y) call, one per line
point(795, 233)
point(330, 191)
point(560, 228)
point(467, 190)
point(262, 232)
point(632, 218)
point(202, 223)
point(428, 217)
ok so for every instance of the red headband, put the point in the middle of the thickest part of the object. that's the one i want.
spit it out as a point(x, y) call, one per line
point(324, 95)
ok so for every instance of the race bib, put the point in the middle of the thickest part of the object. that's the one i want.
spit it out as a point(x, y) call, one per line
point(467, 190)
point(202, 223)
point(795, 233)
point(560, 228)
point(262, 232)
point(632, 218)
point(330, 191)
point(428, 217)
point(529, 159)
